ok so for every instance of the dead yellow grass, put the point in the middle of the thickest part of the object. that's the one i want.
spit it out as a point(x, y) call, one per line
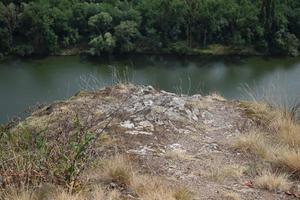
point(118, 170)
point(97, 194)
point(146, 186)
point(152, 188)
point(230, 196)
point(100, 194)
point(273, 182)
point(276, 142)
point(219, 172)
point(280, 129)
point(278, 122)
point(183, 193)
point(18, 195)
point(68, 196)
point(281, 155)
point(290, 159)
point(260, 110)
point(256, 143)
point(288, 132)
point(217, 96)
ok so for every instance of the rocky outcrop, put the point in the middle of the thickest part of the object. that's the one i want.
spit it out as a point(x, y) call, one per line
point(183, 138)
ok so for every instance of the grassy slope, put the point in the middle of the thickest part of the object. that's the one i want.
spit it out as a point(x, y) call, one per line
point(276, 142)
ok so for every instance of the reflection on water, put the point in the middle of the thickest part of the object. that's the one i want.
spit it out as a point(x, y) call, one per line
point(25, 82)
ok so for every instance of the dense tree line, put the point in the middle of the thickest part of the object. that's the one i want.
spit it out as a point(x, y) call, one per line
point(119, 26)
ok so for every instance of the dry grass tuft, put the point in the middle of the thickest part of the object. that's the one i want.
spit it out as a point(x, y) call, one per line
point(282, 155)
point(113, 195)
point(217, 96)
point(219, 171)
point(118, 170)
point(153, 188)
point(97, 193)
point(143, 184)
point(278, 143)
point(289, 158)
point(183, 194)
point(279, 122)
point(149, 187)
point(19, 194)
point(261, 111)
point(68, 196)
point(256, 143)
point(231, 196)
point(100, 194)
point(288, 132)
point(280, 128)
point(273, 182)
point(22, 194)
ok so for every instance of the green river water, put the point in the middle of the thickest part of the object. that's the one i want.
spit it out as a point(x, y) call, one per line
point(26, 82)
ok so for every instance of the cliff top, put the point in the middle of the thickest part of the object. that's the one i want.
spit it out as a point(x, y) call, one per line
point(187, 140)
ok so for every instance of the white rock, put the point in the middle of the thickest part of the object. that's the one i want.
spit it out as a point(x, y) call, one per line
point(196, 96)
point(207, 115)
point(172, 115)
point(177, 147)
point(143, 151)
point(146, 125)
point(184, 131)
point(147, 89)
point(208, 121)
point(138, 133)
point(191, 115)
point(178, 103)
point(168, 93)
point(127, 124)
point(148, 102)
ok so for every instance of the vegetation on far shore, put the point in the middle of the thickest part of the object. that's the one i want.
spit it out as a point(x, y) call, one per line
point(176, 26)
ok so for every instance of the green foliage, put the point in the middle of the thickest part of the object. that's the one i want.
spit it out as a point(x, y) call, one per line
point(37, 21)
point(28, 157)
point(126, 33)
point(101, 22)
point(286, 43)
point(102, 44)
point(180, 47)
point(294, 21)
point(45, 26)
point(4, 40)
point(8, 24)
point(23, 50)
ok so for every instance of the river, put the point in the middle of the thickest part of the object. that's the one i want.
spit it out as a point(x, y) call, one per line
point(26, 82)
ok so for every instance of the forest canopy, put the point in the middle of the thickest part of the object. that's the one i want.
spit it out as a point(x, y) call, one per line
point(30, 27)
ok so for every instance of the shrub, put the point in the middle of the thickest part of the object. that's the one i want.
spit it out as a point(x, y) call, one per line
point(126, 32)
point(180, 48)
point(24, 50)
point(286, 43)
point(102, 44)
point(32, 158)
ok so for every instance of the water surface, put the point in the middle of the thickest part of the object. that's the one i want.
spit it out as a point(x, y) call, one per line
point(26, 82)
